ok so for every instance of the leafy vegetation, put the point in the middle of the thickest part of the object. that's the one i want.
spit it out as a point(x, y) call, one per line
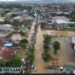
point(14, 15)
point(56, 46)
point(22, 33)
point(31, 55)
point(23, 43)
point(45, 55)
point(72, 27)
point(13, 63)
point(42, 25)
point(73, 15)
point(47, 39)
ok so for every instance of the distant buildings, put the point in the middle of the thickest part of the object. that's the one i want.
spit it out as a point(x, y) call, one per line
point(57, 22)
point(60, 13)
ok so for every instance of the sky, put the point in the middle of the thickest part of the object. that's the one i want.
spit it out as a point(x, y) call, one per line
point(43, 0)
point(7, 0)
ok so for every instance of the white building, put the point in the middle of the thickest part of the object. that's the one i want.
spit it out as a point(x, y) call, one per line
point(6, 27)
point(60, 21)
point(73, 42)
point(19, 18)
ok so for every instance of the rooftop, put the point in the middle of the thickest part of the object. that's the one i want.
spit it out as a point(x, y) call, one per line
point(5, 27)
point(59, 19)
point(17, 17)
point(6, 51)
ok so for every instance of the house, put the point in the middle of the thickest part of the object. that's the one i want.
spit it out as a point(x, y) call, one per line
point(19, 18)
point(60, 22)
point(6, 27)
point(7, 52)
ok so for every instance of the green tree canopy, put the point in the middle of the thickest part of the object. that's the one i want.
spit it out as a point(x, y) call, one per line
point(56, 46)
point(42, 25)
point(23, 43)
point(73, 15)
point(31, 55)
point(47, 39)
point(46, 56)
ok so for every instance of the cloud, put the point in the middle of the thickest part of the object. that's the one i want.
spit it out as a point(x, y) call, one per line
point(7, 0)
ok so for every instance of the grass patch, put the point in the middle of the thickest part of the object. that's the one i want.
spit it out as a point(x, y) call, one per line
point(20, 54)
point(13, 63)
point(16, 62)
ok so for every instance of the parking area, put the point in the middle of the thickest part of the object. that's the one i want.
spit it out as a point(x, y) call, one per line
point(66, 54)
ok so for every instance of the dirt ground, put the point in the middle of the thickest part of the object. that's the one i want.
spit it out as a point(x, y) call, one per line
point(66, 54)
point(39, 63)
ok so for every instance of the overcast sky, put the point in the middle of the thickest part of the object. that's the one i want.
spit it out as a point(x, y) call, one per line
point(42, 0)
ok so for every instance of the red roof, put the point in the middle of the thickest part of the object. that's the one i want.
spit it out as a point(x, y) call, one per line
point(5, 39)
point(7, 53)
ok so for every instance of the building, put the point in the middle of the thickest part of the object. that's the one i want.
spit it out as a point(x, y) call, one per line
point(73, 43)
point(60, 22)
point(60, 13)
point(7, 52)
point(19, 18)
point(6, 27)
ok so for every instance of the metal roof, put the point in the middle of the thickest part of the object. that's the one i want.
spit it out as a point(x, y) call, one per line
point(59, 19)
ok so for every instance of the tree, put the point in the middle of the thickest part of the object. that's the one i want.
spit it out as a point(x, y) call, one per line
point(56, 46)
point(16, 24)
point(32, 49)
point(72, 27)
point(23, 43)
point(46, 47)
point(42, 25)
point(46, 56)
point(47, 39)
point(14, 15)
point(31, 55)
point(14, 63)
point(7, 21)
point(73, 15)
point(22, 33)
